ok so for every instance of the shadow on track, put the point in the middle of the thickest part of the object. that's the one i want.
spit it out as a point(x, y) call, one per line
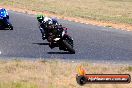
point(41, 43)
point(59, 53)
point(4, 29)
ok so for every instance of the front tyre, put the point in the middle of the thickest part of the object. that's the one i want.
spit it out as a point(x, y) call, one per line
point(68, 47)
point(10, 27)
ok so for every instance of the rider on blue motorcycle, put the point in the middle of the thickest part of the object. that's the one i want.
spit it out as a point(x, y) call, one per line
point(4, 19)
point(4, 14)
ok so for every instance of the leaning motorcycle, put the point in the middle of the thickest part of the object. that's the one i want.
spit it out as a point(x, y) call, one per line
point(4, 20)
point(61, 39)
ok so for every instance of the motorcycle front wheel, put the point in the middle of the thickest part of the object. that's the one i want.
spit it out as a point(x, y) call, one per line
point(10, 27)
point(68, 47)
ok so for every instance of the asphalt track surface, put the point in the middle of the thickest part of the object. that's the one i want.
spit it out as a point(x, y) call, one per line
point(91, 42)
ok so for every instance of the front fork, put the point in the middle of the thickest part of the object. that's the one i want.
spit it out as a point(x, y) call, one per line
point(69, 40)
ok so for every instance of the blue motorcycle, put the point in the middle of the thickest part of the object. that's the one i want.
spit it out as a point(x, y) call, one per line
point(4, 20)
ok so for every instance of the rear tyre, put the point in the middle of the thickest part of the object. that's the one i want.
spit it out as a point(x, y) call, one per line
point(69, 47)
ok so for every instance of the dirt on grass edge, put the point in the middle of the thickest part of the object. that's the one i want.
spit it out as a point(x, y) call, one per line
point(121, 26)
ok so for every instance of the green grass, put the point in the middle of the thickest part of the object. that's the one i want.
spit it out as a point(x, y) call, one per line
point(129, 68)
point(109, 26)
point(17, 85)
point(118, 11)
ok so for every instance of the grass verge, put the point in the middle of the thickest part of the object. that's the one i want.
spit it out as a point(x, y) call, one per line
point(13, 84)
point(54, 74)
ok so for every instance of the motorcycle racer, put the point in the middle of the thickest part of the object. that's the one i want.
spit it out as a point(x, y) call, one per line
point(4, 19)
point(55, 34)
point(3, 13)
point(46, 23)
